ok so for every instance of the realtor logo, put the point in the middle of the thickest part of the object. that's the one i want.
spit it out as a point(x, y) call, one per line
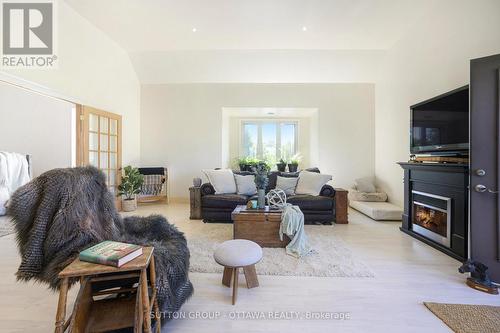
point(28, 34)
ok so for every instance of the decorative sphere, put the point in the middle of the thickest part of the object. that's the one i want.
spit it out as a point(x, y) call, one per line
point(276, 198)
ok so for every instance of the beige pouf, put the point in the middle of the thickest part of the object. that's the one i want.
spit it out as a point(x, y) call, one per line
point(235, 254)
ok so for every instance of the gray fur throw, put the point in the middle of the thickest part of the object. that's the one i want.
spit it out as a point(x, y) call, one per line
point(65, 211)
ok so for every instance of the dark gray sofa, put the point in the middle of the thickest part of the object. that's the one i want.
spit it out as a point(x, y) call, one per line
point(316, 209)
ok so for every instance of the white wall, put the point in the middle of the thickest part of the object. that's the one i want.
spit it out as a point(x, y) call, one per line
point(95, 71)
point(431, 58)
point(181, 125)
point(257, 66)
point(38, 125)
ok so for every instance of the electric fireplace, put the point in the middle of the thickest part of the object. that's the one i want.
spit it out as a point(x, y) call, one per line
point(431, 217)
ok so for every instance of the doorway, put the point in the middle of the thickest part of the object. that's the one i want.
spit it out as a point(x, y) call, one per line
point(99, 144)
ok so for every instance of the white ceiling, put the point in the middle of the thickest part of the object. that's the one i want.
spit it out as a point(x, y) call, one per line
point(166, 25)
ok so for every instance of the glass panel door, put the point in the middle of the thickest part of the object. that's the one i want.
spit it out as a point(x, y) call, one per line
point(100, 143)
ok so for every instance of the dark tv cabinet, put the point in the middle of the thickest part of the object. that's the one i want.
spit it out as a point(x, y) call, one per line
point(445, 185)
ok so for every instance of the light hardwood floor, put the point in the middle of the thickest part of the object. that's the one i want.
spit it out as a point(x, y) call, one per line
point(407, 273)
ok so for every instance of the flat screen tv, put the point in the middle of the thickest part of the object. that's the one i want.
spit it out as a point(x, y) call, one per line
point(441, 125)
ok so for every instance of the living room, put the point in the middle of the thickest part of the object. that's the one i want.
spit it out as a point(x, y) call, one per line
point(174, 96)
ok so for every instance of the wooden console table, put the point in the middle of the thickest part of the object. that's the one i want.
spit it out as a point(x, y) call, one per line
point(131, 309)
point(341, 206)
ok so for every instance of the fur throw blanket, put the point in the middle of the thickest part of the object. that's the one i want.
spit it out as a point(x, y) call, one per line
point(65, 211)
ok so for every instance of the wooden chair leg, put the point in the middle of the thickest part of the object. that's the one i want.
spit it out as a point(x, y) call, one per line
point(146, 309)
point(61, 306)
point(226, 276)
point(251, 276)
point(152, 275)
point(235, 284)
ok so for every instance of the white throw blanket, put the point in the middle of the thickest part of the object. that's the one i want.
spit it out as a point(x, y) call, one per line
point(292, 225)
point(14, 173)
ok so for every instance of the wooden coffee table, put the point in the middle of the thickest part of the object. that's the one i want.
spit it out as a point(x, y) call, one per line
point(259, 225)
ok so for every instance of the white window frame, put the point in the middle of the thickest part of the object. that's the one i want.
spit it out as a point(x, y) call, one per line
point(259, 122)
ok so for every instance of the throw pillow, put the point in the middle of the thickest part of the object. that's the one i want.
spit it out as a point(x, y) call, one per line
point(222, 180)
point(311, 182)
point(245, 184)
point(287, 184)
point(365, 185)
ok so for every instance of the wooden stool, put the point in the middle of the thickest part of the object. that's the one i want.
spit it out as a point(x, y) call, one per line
point(105, 314)
point(235, 254)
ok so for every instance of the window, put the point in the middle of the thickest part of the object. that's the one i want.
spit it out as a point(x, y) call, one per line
point(269, 140)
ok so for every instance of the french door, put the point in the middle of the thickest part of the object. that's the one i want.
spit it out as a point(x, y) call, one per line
point(99, 143)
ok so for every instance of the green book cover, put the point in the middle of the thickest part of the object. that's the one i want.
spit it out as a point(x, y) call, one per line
point(111, 253)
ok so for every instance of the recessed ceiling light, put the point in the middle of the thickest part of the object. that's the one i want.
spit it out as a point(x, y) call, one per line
point(304, 28)
point(193, 30)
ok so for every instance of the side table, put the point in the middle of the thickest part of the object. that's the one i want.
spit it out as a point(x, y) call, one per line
point(195, 203)
point(131, 309)
point(341, 206)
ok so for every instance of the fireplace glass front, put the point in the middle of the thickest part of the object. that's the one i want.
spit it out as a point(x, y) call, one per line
point(431, 216)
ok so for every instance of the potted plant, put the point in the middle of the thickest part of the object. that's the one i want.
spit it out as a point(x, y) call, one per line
point(281, 165)
point(293, 165)
point(242, 163)
point(130, 186)
point(252, 162)
point(261, 181)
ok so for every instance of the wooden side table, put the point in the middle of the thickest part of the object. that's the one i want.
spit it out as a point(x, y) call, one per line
point(131, 309)
point(341, 206)
point(195, 203)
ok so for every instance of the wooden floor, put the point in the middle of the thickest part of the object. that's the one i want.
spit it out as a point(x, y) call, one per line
point(407, 273)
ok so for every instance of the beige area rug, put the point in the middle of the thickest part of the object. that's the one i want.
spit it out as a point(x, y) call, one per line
point(331, 257)
point(463, 318)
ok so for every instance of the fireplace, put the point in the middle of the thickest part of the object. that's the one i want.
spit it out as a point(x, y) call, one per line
point(431, 217)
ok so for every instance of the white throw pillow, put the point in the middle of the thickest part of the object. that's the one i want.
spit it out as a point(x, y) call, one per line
point(287, 184)
point(245, 184)
point(311, 182)
point(222, 180)
point(365, 185)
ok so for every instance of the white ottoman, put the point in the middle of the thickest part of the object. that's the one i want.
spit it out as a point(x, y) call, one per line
point(235, 254)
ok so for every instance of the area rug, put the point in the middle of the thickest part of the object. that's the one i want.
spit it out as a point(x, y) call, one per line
point(331, 256)
point(6, 226)
point(465, 318)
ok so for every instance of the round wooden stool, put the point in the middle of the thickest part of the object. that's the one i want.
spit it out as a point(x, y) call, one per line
point(235, 254)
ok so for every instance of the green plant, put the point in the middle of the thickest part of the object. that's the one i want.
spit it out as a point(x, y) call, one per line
point(295, 160)
point(242, 160)
point(261, 179)
point(282, 161)
point(131, 183)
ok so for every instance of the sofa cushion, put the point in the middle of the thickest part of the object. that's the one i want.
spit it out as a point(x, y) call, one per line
point(245, 184)
point(310, 202)
point(380, 211)
point(311, 182)
point(287, 184)
point(223, 200)
point(222, 180)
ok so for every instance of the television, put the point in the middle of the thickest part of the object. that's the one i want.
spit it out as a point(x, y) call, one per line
point(440, 125)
